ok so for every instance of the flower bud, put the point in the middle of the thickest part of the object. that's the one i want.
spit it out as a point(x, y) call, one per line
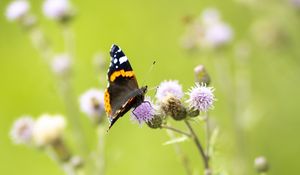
point(155, 122)
point(77, 162)
point(193, 112)
point(21, 132)
point(61, 150)
point(261, 164)
point(201, 75)
point(172, 106)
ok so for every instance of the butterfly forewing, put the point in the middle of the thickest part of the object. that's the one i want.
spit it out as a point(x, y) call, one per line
point(121, 83)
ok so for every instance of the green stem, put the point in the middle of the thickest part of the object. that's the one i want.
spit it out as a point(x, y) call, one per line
point(198, 145)
point(207, 133)
point(184, 159)
point(176, 130)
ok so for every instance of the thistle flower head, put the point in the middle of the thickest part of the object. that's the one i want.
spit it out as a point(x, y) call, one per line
point(57, 9)
point(172, 106)
point(21, 131)
point(218, 34)
point(144, 112)
point(92, 104)
point(17, 9)
point(48, 128)
point(201, 97)
point(169, 87)
point(61, 64)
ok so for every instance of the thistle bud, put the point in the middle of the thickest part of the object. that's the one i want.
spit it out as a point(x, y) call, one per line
point(61, 150)
point(77, 162)
point(193, 112)
point(261, 164)
point(155, 122)
point(172, 106)
point(201, 75)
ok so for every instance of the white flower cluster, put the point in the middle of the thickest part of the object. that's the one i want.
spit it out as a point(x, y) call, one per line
point(17, 9)
point(53, 9)
point(57, 9)
point(61, 64)
point(45, 130)
point(209, 31)
point(92, 104)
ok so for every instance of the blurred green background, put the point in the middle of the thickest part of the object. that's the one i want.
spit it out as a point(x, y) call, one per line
point(152, 30)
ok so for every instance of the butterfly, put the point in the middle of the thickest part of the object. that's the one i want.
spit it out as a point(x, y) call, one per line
point(122, 92)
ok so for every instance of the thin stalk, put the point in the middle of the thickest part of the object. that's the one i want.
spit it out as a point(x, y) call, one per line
point(100, 161)
point(179, 152)
point(68, 94)
point(68, 169)
point(176, 130)
point(207, 134)
point(198, 144)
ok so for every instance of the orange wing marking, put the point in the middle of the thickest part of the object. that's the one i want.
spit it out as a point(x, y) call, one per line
point(107, 103)
point(121, 73)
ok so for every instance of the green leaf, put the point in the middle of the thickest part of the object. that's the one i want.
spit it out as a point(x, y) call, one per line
point(176, 140)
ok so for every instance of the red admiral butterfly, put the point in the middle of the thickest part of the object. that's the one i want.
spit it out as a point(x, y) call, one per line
point(123, 92)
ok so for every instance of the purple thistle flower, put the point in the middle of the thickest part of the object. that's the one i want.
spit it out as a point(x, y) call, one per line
point(144, 112)
point(201, 97)
point(170, 87)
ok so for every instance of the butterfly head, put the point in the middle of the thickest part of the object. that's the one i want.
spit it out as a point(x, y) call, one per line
point(144, 89)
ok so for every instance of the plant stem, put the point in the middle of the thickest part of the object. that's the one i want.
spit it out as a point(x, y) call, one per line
point(207, 135)
point(180, 153)
point(198, 144)
point(68, 93)
point(176, 130)
point(100, 161)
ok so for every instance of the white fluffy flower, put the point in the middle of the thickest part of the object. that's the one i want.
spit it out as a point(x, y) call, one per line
point(169, 87)
point(17, 9)
point(217, 34)
point(56, 9)
point(61, 64)
point(21, 131)
point(48, 128)
point(92, 103)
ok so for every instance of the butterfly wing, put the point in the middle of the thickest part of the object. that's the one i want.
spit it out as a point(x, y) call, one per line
point(121, 84)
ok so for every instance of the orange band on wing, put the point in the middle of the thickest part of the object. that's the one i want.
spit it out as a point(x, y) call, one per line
point(107, 103)
point(121, 73)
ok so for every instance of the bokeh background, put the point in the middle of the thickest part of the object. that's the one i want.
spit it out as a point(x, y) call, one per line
point(268, 31)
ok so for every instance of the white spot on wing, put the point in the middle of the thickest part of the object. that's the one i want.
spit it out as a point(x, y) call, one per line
point(119, 50)
point(123, 59)
point(117, 67)
point(115, 60)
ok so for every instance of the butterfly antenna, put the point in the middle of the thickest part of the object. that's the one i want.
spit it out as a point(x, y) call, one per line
point(149, 71)
point(153, 88)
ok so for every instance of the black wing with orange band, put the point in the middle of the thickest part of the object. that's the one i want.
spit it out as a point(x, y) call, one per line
point(121, 83)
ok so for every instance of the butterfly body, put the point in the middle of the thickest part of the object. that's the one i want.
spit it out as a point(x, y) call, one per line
point(123, 92)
